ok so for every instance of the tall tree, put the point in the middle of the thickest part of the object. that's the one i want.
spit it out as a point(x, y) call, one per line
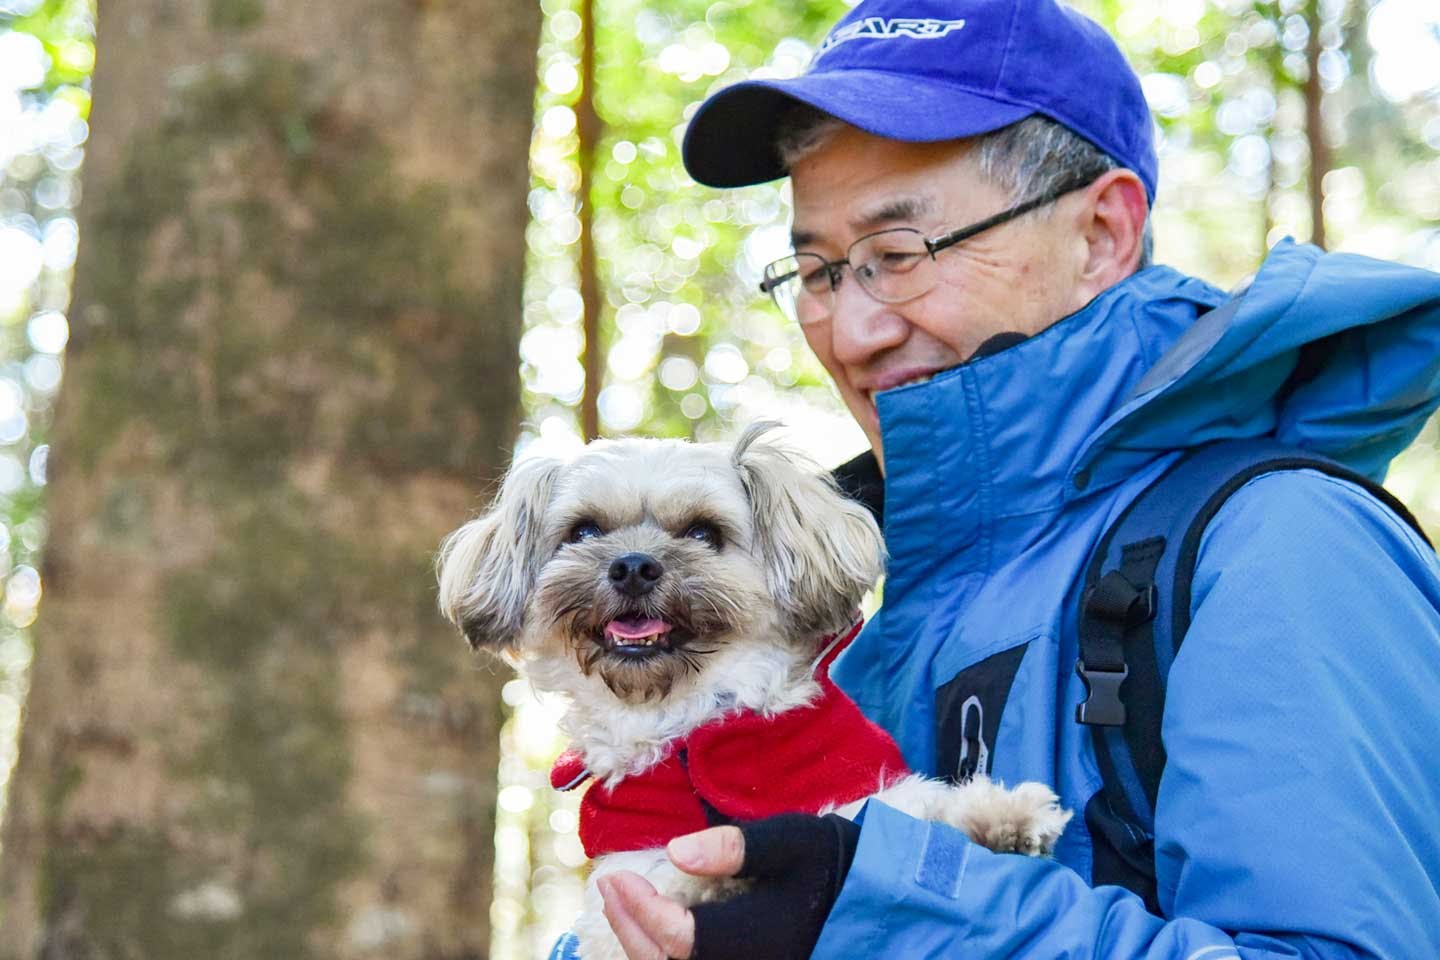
point(588, 130)
point(1315, 137)
point(291, 364)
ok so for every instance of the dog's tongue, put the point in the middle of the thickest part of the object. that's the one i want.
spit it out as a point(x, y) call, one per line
point(633, 628)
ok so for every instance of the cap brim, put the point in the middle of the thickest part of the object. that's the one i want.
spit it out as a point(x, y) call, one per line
point(731, 139)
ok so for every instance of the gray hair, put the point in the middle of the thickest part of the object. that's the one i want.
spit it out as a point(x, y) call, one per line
point(1025, 159)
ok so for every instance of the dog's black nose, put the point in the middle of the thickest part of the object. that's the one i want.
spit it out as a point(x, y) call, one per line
point(635, 573)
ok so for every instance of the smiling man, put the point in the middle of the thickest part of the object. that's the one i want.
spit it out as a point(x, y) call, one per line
point(972, 181)
point(911, 313)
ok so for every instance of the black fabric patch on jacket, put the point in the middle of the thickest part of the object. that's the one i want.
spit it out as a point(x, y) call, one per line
point(967, 714)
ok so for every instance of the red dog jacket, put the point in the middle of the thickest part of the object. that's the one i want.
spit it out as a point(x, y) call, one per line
point(743, 765)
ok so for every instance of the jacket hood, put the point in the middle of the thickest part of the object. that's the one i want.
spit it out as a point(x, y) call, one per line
point(1334, 353)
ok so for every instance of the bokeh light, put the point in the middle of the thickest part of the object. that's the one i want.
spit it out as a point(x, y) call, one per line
point(689, 348)
point(44, 99)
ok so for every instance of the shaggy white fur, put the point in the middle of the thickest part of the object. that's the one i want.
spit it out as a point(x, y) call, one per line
point(734, 563)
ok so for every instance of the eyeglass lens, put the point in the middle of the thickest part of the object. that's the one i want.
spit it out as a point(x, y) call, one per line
point(893, 266)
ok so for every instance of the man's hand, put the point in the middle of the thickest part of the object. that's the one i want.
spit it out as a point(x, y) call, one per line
point(798, 863)
point(652, 927)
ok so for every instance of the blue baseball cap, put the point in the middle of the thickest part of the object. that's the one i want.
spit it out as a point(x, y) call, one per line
point(925, 70)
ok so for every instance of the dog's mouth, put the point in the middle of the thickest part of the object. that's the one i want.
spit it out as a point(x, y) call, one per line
point(637, 637)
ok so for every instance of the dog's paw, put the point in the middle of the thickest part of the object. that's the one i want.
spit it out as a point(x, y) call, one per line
point(1027, 819)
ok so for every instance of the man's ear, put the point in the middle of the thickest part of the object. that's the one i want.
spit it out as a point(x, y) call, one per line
point(1113, 228)
point(821, 549)
point(488, 567)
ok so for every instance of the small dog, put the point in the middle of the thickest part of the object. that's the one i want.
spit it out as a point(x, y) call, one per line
point(687, 600)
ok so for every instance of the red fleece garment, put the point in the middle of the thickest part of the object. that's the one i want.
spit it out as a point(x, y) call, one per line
point(744, 765)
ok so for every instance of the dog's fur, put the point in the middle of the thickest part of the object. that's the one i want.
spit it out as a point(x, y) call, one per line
point(762, 556)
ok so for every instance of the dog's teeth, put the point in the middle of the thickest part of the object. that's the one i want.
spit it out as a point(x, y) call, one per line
point(646, 641)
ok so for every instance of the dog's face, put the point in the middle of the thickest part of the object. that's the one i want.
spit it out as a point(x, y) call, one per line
point(640, 562)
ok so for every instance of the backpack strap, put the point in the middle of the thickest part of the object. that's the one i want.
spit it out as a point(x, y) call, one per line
point(1135, 610)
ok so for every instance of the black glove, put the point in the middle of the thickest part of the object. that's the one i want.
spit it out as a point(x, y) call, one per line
point(798, 864)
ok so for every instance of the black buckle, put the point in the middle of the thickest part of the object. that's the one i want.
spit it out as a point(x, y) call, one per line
point(1116, 600)
point(1102, 706)
point(1143, 610)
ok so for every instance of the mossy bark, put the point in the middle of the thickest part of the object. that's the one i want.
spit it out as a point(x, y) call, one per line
point(291, 370)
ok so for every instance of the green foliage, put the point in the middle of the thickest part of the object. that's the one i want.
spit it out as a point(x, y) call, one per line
point(39, 163)
point(678, 261)
point(691, 347)
point(1224, 77)
point(669, 249)
point(66, 28)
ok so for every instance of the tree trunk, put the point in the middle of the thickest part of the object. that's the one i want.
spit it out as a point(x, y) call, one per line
point(291, 366)
point(588, 129)
point(1320, 162)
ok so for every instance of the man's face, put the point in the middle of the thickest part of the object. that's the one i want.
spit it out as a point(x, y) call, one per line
point(1021, 276)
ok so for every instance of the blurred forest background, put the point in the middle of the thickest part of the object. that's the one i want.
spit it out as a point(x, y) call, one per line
point(638, 313)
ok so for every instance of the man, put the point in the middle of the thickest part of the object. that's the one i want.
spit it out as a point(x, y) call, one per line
point(971, 186)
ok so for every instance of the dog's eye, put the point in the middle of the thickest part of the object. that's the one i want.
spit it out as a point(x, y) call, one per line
point(584, 530)
point(704, 532)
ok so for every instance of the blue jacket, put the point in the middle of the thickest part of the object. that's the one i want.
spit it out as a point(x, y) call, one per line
point(1299, 813)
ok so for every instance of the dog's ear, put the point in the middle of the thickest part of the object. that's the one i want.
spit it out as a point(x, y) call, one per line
point(821, 549)
point(488, 567)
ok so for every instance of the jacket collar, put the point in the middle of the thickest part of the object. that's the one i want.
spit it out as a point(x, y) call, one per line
point(999, 437)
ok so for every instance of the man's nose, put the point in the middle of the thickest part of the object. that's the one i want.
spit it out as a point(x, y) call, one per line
point(861, 326)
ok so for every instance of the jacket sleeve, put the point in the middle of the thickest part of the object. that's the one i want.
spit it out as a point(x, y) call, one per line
point(1299, 812)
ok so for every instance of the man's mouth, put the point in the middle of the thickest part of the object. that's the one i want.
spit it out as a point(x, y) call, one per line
point(636, 637)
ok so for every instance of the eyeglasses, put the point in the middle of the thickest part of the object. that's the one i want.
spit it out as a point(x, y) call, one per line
point(892, 266)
